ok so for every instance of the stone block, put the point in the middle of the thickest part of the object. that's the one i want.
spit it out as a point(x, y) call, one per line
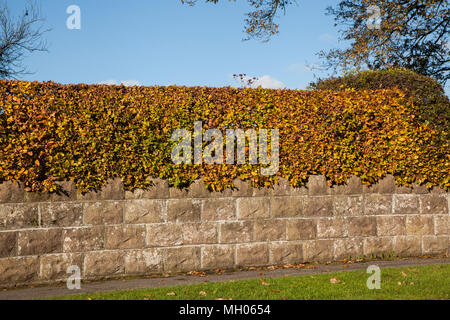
point(125, 237)
point(184, 210)
point(61, 214)
point(218, 256)
point(84, 239)
point(219, 209)
point(236, 232)
point(302, 229)
point(37, 242)
point(252, 254)
point(253, 208)
point(182, 259)
point(144, 211)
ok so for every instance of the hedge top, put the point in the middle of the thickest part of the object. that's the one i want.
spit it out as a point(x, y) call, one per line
point(89, 133)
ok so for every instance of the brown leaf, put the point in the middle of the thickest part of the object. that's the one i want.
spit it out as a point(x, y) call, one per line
point(334, 280)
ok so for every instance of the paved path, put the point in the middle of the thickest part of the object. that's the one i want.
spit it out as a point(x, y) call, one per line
point(146, 283)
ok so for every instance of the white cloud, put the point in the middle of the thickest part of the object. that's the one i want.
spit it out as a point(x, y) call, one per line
point(127, 83)
point(268, 82)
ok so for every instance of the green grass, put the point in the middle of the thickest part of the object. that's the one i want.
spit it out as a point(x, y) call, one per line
point(427, 282)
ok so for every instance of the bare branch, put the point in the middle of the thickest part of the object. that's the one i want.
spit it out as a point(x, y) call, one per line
point(19, 36)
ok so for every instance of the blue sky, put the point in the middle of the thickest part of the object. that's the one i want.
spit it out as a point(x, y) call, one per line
point(162, 42)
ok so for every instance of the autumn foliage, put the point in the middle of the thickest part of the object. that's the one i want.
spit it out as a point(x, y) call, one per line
point(89, 133)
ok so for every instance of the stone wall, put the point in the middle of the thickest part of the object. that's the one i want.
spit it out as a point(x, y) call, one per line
point(114, 233)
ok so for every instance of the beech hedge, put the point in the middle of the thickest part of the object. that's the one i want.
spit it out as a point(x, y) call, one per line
point(89, 133)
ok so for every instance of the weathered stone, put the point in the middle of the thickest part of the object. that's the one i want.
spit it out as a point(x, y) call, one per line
point(419, 225)
point(242, 188)
point(235, 232)
point(318, 207)
point(37, 196)
point(61, 214)
point(353, 186)
point(218, 257)
point(125, 237)
point(442, 225)
point(331, 228)
point(403, 190)
point(184, 210)
point(348, 248)
point(377, 204)
point(420, 189)
point(11, 192)
point(270, 230)
point(282, 253)
point(285, 207)
point(158, 190)
point(146, 261)
point(437, 190)
point(164, 235)
point(406, 204)
point(378, 245)
point(17, 271)
point(181, 259)
point(104, 212)
point(54, 266)
point(317, 185)
point(362, 226)
point(8, 244)
point(219, 209)
point(36, 242)
point(435, 245)
point(112, 190)
point(348, 205)
point(67, 192)
point(302, 229)
point(318, 250)
point(200, 233)
point(252, 254)
point(198, 190)
point(83, 239)
point(176, 193)
point(18, 216)
point(262, 192)
point(144, 211)
point(104, 263)
point(385, 185)
point(253, 208)
point(434, 204)
point(408, 245)
point(391, 226)
point(284, 188)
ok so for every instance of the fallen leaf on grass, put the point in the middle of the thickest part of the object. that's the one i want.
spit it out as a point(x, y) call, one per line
point(171, 294)
point(275, 291)
point(263, 282)
point(202, 293)
point(334, 280)
point(224, 299)
point(404, 274)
